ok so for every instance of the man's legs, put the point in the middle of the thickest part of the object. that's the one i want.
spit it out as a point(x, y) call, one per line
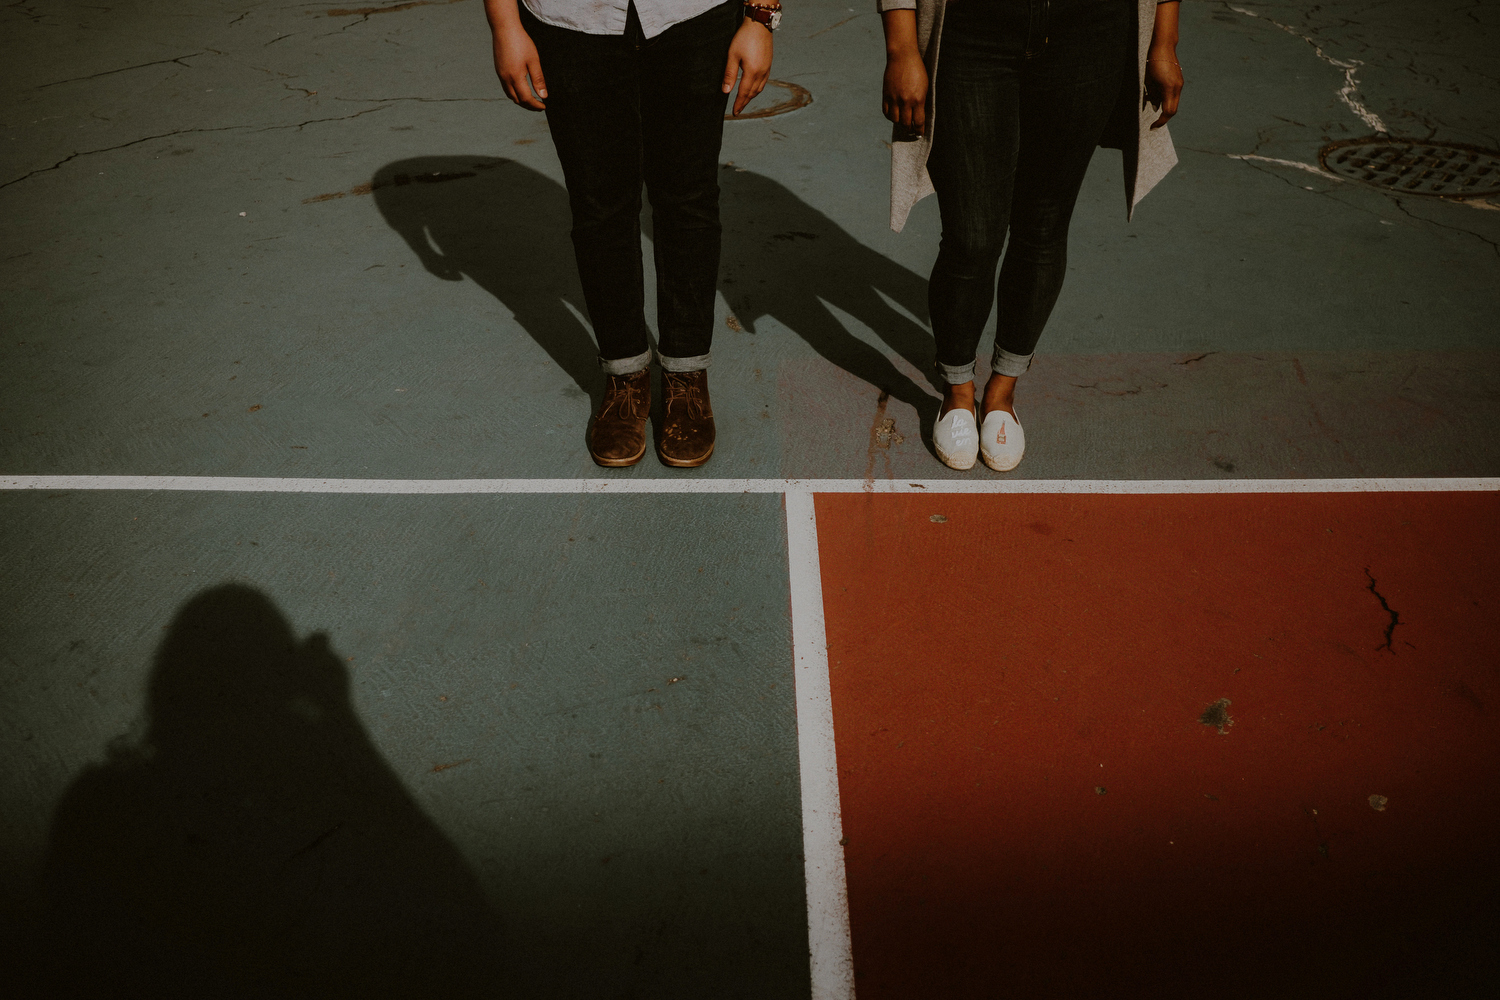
point(682, 125)
point(594, 115)
point(593, 112)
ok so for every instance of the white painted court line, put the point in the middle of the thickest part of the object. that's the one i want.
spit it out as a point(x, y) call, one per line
point(822, 822)
point(233, 484)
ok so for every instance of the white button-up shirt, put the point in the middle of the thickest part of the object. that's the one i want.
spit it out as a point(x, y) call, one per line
point(607, 17)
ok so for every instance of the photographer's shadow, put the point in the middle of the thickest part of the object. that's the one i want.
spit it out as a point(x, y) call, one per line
point(505, 226)
point(252, 841)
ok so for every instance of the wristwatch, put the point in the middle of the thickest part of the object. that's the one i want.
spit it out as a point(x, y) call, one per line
point(768, 14)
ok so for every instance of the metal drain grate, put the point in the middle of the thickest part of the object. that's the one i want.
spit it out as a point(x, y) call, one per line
point(1404, 166)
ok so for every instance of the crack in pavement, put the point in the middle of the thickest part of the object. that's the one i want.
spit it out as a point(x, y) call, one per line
point(836, 24)
point(1134, 390)
point(424, 100)
point(1298, 164)
point(185, 131)
point(1251, 159)
point(1351, 85)
point(1457, 229)
point(364, 12)
point(1254, 162)
point(876, 426)
point(316, 842)
point(122, 69)
point(1390, 627)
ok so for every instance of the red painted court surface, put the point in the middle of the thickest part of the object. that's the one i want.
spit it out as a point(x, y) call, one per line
point(1033, 807)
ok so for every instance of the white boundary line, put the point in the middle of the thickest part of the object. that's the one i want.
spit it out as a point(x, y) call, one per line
point(233, 484)
point(822, 823)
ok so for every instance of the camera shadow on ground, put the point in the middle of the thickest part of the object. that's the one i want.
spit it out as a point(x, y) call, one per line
point(252, 841)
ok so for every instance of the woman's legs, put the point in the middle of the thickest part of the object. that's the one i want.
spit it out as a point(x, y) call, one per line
point(1025, 88)
point(973, 164)
point(1067, 95)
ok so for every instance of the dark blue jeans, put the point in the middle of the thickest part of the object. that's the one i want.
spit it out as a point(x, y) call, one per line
point(624, 109)
point(1024, 91)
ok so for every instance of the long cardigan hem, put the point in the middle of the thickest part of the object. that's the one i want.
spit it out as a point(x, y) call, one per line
point(1148, 153)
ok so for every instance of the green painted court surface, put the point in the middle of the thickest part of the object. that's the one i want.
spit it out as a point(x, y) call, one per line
point(547, 744)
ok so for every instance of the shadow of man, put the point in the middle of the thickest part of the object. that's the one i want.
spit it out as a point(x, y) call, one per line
point(505, 226)
point(786, 260)
point(253, 842)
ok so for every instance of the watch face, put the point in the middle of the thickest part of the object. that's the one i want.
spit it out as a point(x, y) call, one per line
point(775, 19)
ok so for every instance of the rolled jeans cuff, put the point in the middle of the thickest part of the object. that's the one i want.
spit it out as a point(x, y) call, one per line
point(627, 366)
point(956, 374)
point(1013, 365)
point(696, 364)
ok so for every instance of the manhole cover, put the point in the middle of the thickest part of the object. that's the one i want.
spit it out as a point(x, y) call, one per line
point(1444, 169)
point(795, 97)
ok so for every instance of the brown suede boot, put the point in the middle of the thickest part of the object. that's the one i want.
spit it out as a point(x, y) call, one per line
point(687, 431)
point(618, 437)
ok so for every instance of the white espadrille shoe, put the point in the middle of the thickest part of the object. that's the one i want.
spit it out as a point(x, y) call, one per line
point(1001, 441)
point(956, 438)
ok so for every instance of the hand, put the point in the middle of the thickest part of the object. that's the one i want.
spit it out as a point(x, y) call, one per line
point(751, 53)
point(516, 60)
point(903, 96)
point(1163, 74)
point(1163, 85)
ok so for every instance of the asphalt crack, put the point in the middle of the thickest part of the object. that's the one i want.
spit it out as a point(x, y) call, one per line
point(185, 131)
point(122, 69)
point(109, 149)
point(316, 842)
point(877, 426)
point(1390, 627)
point(424, 100)
point(1493, 245)
point(1134, 390)
point(364, 12)
point(1349, 93)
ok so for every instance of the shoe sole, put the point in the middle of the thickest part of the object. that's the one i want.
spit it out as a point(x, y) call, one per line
point(997, 467)
point(946, 460)
point(689, 463)
point(619, 463)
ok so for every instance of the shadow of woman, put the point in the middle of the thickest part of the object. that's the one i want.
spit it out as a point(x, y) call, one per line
point(254, 842)
point(785, 259)
point(504, 226)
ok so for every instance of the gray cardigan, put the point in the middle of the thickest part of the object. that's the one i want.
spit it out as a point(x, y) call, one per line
point(1148, 153)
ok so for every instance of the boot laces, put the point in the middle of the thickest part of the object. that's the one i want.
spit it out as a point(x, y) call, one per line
point(624, 393)
point(681, 389)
